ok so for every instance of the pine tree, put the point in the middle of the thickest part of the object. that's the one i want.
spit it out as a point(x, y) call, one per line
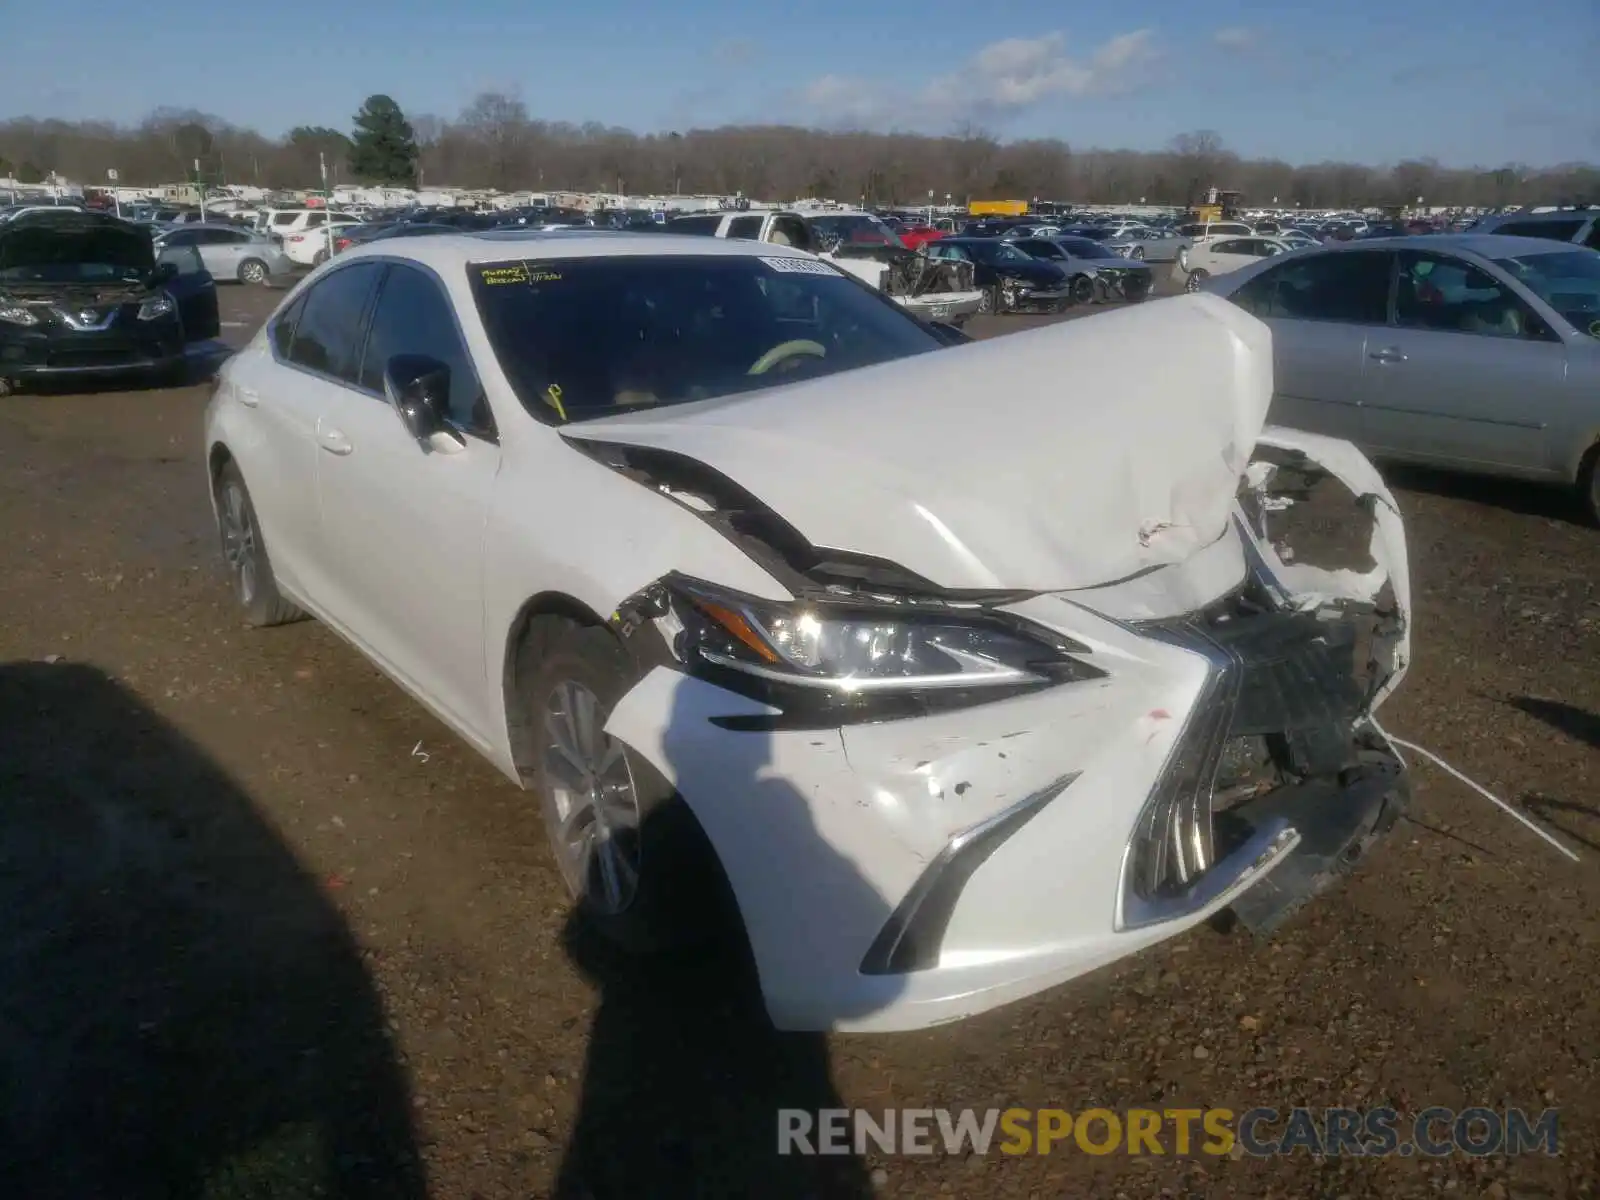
point(384, 147)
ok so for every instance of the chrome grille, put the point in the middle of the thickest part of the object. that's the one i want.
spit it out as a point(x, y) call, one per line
point(1290, 676)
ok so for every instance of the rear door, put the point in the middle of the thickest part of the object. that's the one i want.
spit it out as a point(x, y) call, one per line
point(1321, 308)
point(1468, 375)
point(315, 357)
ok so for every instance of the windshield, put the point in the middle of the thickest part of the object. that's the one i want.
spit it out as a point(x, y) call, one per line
point(1083, 248)
point(1567, 280)
point(581, 338)
point(858, 228)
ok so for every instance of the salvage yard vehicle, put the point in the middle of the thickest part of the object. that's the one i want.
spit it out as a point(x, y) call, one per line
point(947, 737)
point(1095, 272)
point(1220, 255)
point(860, 244)
point(1013, 280)
point(85, 296)
point(229, 252)
point(1474, 352)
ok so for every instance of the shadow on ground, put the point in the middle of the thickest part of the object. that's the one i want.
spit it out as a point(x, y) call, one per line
point(183, 1014)
point(685, 1074)
point(1513, 495)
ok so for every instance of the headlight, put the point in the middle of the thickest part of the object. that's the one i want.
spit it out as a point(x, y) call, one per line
point(834, 662)
point(15, 314)
point(1183, 257)
point(157, 306)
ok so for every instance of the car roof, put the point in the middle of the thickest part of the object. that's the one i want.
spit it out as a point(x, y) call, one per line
point(447, 251)
point(1486, 245)
point(1570, 214)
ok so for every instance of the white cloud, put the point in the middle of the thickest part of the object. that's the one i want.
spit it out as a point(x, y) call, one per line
point(1238, 38)
point(1003, 79)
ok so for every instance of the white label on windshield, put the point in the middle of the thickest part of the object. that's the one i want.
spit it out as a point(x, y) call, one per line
point(800, 266)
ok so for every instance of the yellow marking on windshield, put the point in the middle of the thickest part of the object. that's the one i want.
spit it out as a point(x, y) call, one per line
point(553, 395)
point(516, 274)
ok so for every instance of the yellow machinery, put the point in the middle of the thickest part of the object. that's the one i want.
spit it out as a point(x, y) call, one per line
point(997, 208)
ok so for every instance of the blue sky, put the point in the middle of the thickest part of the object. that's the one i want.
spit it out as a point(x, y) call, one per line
point(1466, 82)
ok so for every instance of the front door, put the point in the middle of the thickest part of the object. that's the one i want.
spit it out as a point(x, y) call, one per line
point(194, 291)
point(1469, 375)
point(403, 523)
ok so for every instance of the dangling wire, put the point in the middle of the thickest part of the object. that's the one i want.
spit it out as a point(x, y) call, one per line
point(1481, 790)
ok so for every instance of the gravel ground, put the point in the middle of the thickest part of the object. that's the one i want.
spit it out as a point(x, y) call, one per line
point(267, 930)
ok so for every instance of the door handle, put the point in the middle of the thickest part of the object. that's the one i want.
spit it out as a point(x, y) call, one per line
point(246, 397)
point(334, 442)
point(1387, 355)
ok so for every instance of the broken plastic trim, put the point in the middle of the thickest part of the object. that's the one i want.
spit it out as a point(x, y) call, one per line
point(913, 936)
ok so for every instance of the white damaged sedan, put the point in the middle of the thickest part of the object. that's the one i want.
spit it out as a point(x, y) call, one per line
point(964, 668)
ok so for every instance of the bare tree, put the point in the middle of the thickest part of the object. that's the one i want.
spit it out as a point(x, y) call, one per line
point(496, 143)
point(499, 124)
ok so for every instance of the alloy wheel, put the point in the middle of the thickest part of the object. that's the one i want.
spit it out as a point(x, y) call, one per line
point(593, 803)
point(239, 542)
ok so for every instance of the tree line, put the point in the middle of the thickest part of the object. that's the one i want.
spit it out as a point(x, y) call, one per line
point(495, 142)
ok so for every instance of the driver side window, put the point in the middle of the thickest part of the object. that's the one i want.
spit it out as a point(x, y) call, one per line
point(1449, 295)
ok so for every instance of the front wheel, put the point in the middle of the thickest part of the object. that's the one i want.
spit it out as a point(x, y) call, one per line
point(1196, 278)
point(629, 850)
point(252, 270)
point(989, 301)
point(1082, 289)
point(320, 257)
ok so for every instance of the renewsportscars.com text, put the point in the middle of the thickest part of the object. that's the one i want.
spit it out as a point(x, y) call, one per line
point(1255, 1132)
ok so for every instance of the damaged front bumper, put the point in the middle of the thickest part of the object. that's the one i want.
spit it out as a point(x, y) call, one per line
point(903, 873)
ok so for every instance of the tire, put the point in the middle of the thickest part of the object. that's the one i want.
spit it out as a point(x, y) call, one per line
point(320, 257)
point(1137, 252)
point(252, 270)
point(244, 552)
point(1082, 289)
point(1196, 278)
point(989, 303)
point(8, 386)
point(1589, 485)
point(564, 669)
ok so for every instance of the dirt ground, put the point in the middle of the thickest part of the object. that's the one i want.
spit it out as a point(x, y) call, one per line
point(267, 930)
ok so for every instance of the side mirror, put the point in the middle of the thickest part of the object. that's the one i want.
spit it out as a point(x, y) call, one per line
point(419, 388)
point(165, 273)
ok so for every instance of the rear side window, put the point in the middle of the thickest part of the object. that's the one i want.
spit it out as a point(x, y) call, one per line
point(1349, 288)
point(745, 228)
point(704, 225)
point(328, 334)
point(413, 316)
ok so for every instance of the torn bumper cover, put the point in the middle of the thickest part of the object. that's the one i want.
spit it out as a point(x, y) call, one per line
point(1200, 742)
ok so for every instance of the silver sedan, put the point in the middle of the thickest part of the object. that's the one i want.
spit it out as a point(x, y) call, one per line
point(1139, 241)
point(231, 252)
point(1472, 352)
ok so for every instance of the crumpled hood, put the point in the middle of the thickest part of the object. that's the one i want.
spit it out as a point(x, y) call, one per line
point(1063, 457)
